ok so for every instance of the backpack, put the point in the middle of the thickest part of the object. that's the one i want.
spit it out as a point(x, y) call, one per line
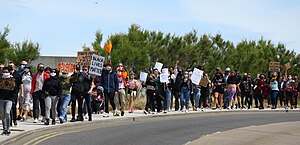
point(78, 84)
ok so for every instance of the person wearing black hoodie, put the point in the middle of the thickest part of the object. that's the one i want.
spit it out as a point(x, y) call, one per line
point(177, 89)
point(52, 90)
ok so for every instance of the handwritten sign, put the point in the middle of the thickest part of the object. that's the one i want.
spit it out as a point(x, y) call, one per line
point(204, 82)
point(143, 76)
point(196, 76)
point(7, 84)
point(66, 67)
point(84, 57)
point(274, 66)
point(96, 65)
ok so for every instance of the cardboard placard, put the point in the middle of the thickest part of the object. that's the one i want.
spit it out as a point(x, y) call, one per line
point(196, 76)
point(274, 66)
point(66, 67)
point(143, 76)
point(84, 57)
point(204, 82)
point(164, 78)
point(7, 84)
point(96, 65)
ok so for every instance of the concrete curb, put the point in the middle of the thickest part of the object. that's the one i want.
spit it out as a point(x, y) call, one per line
point(114, 119)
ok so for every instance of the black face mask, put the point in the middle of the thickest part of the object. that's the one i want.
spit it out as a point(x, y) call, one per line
point(10, 68)
point(226, 73)
point(41, 70)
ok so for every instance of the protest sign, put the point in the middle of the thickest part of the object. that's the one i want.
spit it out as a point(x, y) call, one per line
point(164, 76)
point(66, 67)
point(7, 84)
point(143, 76)
point(197, 76)
point(204, 82)
point(274, 66)
point(84, 57)
point(96, 65)
point(158, 66)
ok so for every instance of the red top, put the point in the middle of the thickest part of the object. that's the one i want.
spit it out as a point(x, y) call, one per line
point(46, 76)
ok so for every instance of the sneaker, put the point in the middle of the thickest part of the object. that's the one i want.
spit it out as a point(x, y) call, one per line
point(86, 116)
point(122, 113)
point(35, 120)
point(72, 120)
point(4, 133)
point(53, 122)
point(43, 119)
point(15, 123)
point(47, 122)
point(61, 121)
point(105, 115)
point(145, 112)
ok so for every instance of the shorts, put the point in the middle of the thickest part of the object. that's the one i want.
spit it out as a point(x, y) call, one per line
point(219, 90)
point(132, 92)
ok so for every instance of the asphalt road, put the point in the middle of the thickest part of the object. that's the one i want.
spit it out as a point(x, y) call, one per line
point(170, 130)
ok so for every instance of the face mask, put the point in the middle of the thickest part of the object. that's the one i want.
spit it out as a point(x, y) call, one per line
point(10, 67)
point(85, 71)
point(26, 70)
point(290, 78)
point(41, 70)
point(22, 66)
point(64, 75)
point(186, 75)
point(226, 73)
point(52, 74)
point(6, 75)
point(108, 68)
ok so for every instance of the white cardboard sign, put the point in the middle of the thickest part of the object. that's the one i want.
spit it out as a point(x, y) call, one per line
point(96, 65)
point(196, 76)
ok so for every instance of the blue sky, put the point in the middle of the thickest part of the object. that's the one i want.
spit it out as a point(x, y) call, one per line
point(62, 27)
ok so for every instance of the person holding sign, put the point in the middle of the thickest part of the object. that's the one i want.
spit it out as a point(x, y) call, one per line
point(289, 91)
point(186, 88)
point(6, 100)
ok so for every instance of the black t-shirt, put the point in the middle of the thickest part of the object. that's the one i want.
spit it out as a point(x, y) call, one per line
point(18, 80)
point(232, 80)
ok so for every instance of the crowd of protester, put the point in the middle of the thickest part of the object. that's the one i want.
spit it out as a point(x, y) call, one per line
point(49, 93)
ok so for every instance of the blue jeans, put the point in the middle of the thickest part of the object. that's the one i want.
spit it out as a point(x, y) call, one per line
point(168, 97)
point(274, 95)
point(185, 97)
point(197, 96)
point(5, 108)
point(65, 99)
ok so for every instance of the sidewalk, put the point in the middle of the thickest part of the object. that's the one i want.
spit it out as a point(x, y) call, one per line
point(28, 126)
point(270, 134)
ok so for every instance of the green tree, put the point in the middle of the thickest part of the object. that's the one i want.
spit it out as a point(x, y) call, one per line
point(4, 44)
point(26, 50)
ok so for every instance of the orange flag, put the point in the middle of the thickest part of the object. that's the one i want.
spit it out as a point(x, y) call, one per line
point(108, 46)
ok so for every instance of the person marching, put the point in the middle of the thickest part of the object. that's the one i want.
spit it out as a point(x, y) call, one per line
point(6, 100)
point(26, 101)
point(52, 90)
point(219, 83)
